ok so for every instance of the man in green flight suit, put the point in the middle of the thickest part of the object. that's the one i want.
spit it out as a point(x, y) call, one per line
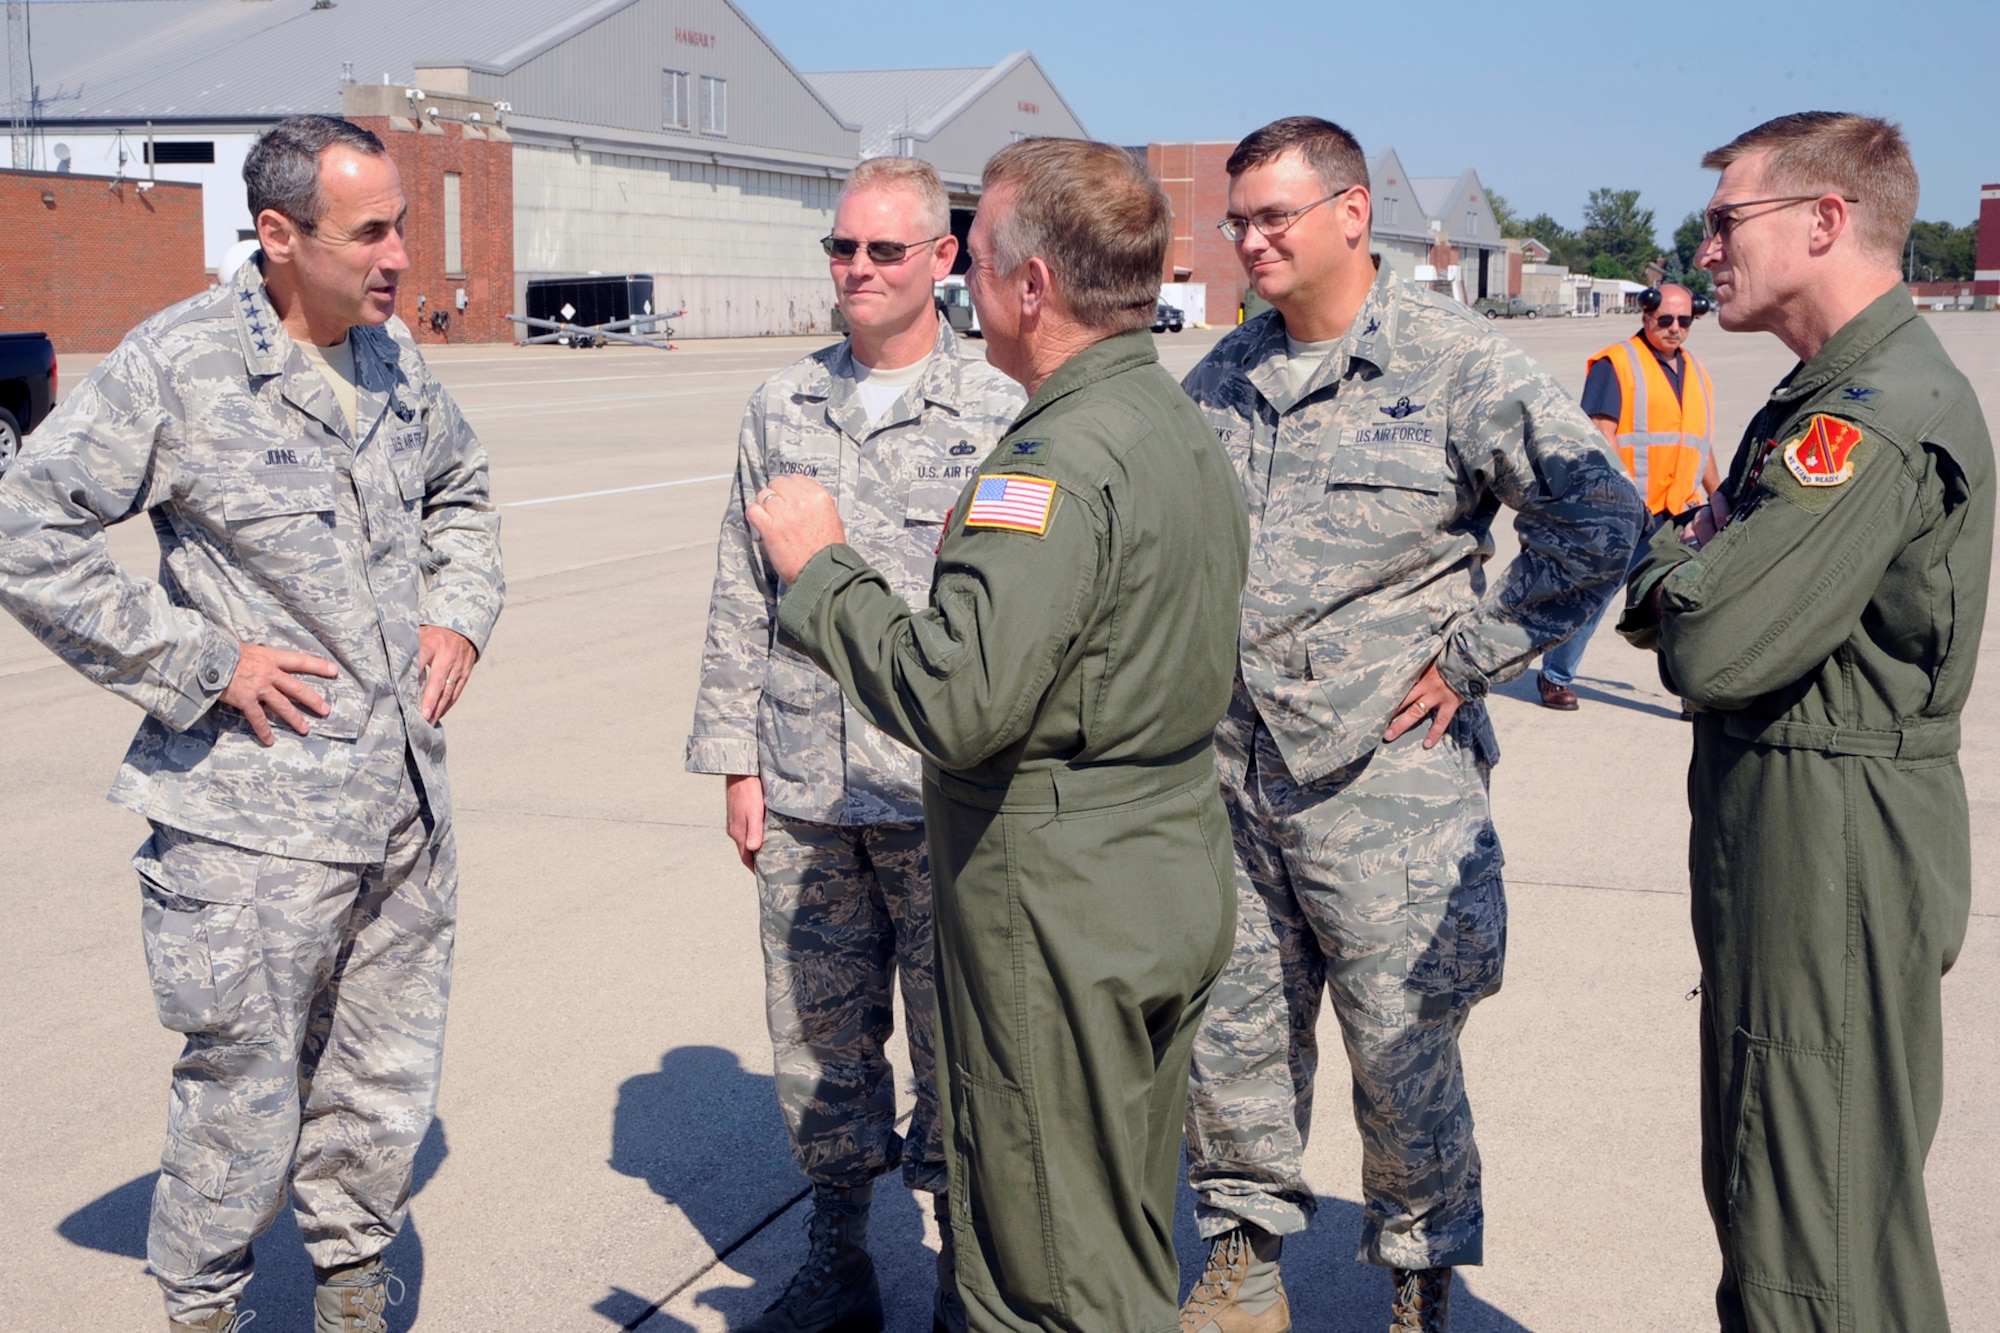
point(1061, 688)
point(1823, 616)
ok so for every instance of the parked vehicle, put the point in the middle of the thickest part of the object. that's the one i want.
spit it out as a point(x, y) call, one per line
point(954, 304)
point(1510, 307)
point(27, 388)
point(1168, 318)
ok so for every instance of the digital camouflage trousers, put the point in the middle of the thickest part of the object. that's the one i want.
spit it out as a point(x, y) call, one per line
point(1380, 885)
point(845, 912)
point(313, 998)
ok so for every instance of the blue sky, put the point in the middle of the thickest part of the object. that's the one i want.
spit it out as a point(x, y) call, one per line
point(1547, 101)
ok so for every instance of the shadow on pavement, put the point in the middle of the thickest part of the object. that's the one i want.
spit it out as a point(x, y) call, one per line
point(281, 1291)
point(706, 1136)
point(1330, 1292)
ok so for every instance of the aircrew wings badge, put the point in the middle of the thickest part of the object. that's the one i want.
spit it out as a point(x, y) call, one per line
point(1822, 456)
point(1013, 503)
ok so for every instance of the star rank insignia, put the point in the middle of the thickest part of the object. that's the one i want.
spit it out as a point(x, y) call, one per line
point(1822, 456)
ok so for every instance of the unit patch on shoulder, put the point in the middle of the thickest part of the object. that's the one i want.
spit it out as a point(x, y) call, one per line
point(1012, 503)
point(1823, 455)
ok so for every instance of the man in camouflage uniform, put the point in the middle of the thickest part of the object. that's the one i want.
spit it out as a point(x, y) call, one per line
point(322, 513)
point(825, 809)
point(1376, 429)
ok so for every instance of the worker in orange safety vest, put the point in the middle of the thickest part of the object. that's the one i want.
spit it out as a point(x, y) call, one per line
point(1655, 405)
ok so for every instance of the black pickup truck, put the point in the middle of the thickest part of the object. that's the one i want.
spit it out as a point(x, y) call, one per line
point(27, 388)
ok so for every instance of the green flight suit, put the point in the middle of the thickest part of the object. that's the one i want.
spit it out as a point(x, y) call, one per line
point(1062, 689)
point(1827, 637)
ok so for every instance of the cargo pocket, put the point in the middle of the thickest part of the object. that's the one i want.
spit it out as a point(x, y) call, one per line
point(198, 918)
point(203, 959)
point(997, 1146)
point(1784, 1176)
point(194, 1180)
point(1457, 925)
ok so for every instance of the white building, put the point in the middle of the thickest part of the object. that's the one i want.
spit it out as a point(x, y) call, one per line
point(650, 136)
point(1413, 214)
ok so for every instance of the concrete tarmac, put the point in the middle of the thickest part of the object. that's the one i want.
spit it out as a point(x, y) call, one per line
point(608, 1153)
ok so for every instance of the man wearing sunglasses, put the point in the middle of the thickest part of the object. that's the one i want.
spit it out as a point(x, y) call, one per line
point(1654, 404)
point(1376, 429)
point(824, 808)
point(1823, 615)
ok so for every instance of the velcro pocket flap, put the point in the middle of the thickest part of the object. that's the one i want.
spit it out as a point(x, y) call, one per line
point(1354, 465)
point(271, 491)
point(929, 501)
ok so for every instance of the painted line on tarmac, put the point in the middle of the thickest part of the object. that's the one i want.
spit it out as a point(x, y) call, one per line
point(616, 490)
point(607, 560)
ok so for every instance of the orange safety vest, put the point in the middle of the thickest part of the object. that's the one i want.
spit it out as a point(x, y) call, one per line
point(1662, 439)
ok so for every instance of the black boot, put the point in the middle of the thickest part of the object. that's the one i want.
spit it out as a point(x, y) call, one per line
point(834, 1291)
point(947, 1310)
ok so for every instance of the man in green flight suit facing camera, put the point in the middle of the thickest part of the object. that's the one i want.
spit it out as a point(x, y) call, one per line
point(1062, 688)
point(1822, 615)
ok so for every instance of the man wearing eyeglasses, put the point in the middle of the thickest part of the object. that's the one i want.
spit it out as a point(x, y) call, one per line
point(1655, 406)
point(1375, 428)
point(1823, 614)
point(824, 808)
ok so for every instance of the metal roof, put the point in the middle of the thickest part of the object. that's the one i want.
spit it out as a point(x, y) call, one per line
point(1434, 193)
point(256, 59)
point(917, 103)
point(133, 60)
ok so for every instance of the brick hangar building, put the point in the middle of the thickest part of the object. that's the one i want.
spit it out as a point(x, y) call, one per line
point(535, 137)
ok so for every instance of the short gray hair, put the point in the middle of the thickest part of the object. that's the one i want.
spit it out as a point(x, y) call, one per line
point(282, 170)
point(913, 174)
point(1094, 216)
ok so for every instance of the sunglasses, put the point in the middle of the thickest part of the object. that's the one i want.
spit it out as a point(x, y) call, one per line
point(1722, 219)
point(843, 250)
point(1667, 321)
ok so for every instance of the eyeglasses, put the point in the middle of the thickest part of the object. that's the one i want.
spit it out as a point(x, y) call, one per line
point(842, 250)
point(1667, 321)
point(1274, 222)
point(1722, 219)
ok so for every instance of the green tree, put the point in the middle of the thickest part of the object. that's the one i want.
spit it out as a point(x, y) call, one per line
point(1616, 229)
point(1560, 239)
point(1504, 214)
point(1680, 264)
point(1940, 252)
point(1607, 266)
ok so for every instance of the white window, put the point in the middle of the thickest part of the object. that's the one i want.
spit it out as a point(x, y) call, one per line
point(714, 105)
point(676, 109)
point(1472, 224)
point(1390, 204)
point(454, 247)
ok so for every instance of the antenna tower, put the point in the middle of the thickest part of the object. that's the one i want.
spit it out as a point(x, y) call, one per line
point(20, 93)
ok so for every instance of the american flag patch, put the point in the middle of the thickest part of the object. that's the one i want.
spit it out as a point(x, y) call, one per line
point(1018, 504)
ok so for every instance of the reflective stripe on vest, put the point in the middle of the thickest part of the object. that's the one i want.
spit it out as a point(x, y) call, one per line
point(1663, 439)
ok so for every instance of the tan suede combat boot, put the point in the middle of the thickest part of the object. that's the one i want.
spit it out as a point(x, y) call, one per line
point(1423, 1300)
point(1240, 1291)
point(356, 1299)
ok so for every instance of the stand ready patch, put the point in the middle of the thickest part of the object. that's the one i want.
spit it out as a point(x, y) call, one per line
point(1823, 455)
